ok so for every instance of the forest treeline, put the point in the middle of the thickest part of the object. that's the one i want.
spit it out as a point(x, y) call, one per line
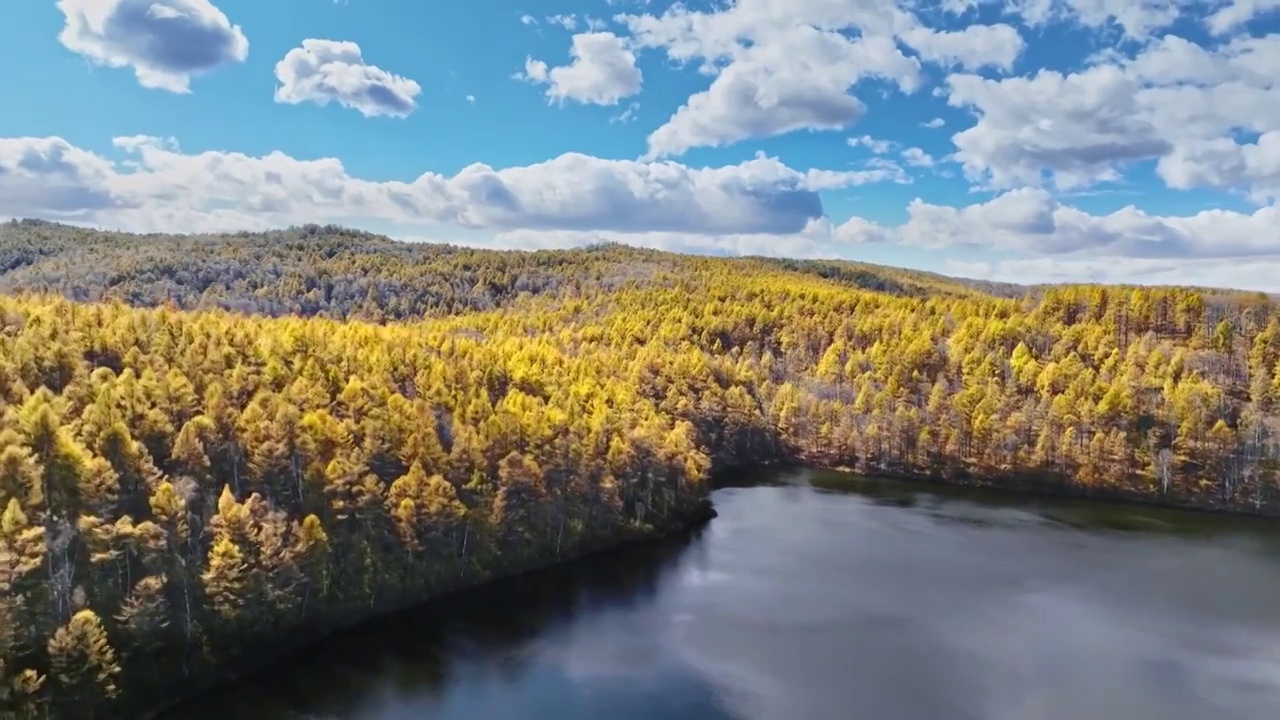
point(343, 274)
point(187, 481)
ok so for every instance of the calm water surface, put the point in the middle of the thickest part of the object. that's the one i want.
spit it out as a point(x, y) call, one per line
point(820, 596)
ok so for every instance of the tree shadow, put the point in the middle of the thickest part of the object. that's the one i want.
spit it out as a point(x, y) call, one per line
point(469, 655)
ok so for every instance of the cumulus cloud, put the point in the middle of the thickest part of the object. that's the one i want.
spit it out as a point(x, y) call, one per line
point(1201, 115)
point(321, 71)
point(1032, 219)
point(800, 79)
point(1137, 19)
point(162, 188)
point(53, 178)
point(916, 157)
point(858, 231)
point(1238, 12)
point(603, 71)
point(1225, 163)
point(1050, 242)
point(1078, 127)
point(166, 42)
point(972, 47)
point(1174, 102)
point(779, 66)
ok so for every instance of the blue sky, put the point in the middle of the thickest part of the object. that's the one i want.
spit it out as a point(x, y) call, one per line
point(1024, 140)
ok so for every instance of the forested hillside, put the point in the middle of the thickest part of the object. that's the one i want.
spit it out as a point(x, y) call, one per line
point(351, 275)
point(182, 485)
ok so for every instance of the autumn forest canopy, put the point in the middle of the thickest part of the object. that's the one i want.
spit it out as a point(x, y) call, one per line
point(213, 447)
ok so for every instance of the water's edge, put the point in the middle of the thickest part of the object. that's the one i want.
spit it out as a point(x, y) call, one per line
point(1037, 485)
point(693, 519)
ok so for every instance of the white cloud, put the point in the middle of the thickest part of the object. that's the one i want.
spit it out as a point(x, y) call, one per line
point(1079, 127)
point(1244, 61)
point(779, 66)
point(1238, 12)
point(759, 207)
point(603, 71)
point(879, 147)
point(568, 22)
point(858, 231)
point(785, 65)
point(327, 70)
point(626, 116)
point(1138, 19)
point(959, 7)
point(162, 188)
point(48, 176)
point(838, 179)
point(916, 157)
point(1203, 116)
point(972, 48)
point(1031, 219)
point(166, 42)
point(1224, 163)
point(1125, 246)
point(1174, 102)
point(798, 80)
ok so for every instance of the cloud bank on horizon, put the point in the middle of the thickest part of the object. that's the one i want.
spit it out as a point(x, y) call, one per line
point(1024, 140)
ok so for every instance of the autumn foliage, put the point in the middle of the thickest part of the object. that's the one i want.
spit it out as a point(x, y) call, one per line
point(187, 478)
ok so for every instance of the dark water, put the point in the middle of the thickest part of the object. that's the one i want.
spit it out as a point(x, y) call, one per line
point(825, 597)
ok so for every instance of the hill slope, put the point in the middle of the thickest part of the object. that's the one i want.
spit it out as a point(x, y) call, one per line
point(180, 490)
point(344, 274)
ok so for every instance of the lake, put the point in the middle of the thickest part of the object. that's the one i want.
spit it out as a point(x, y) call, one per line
point(817, 596)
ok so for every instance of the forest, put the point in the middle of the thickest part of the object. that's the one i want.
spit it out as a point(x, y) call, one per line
point(214, 447)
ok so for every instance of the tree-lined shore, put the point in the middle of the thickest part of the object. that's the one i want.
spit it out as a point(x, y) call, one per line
point(219, 445)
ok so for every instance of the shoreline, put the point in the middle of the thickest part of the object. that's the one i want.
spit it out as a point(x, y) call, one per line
point(1048, 490)
point(699, 517)
point(1013, 483)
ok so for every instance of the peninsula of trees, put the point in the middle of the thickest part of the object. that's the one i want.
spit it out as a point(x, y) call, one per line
point(215, 446)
